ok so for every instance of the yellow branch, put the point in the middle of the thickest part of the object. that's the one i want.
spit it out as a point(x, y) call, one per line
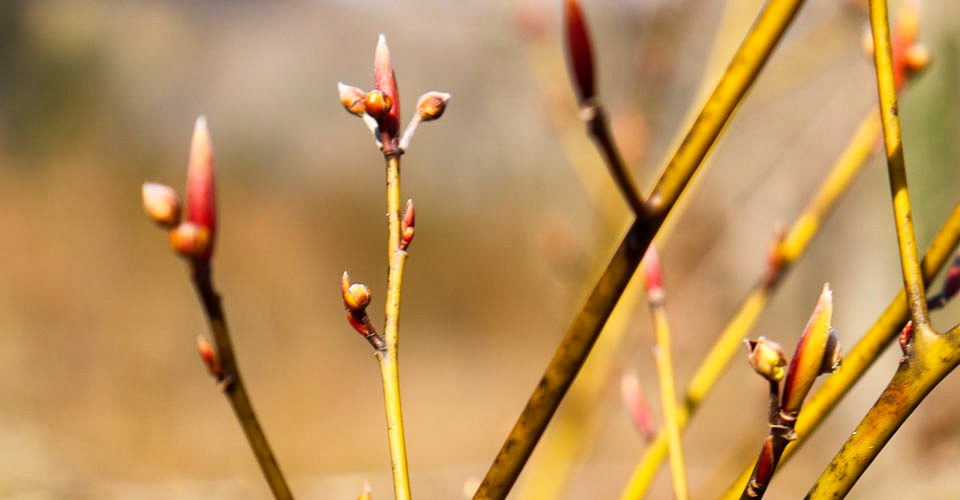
point(729, 342)
point(582, 334)
point(668, 398)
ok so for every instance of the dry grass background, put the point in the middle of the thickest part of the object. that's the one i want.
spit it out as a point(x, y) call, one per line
point(101, 391)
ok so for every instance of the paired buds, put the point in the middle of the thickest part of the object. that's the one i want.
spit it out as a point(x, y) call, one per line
point(766, 358)
point(817, 352)
point(210, 357)
point(193, 238)
point(406, 226)
point(909, 57)
point(579, 51)
point(380, 108)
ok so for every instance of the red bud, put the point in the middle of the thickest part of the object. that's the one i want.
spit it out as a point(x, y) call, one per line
point(579, 51)
point(636, 404)
point(905, 335)
point(406, 226)
point(951, 284)
point(386, 82)
point(651, 274)
point(807, 361)
point(209, 357)
point(201, 205)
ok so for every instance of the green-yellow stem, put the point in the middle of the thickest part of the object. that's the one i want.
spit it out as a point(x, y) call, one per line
point(389, 369)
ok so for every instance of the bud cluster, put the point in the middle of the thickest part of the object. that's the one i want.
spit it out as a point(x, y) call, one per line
point(194, 237)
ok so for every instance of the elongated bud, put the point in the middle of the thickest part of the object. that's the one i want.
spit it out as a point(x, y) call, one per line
point(356, 296)
point(579, 51)
point(352, 98)
point(766, 358)
point(808, 359)
point(201, 203)
point(191, 241)
point(632, 396)
point(652, 275)
point(377, 104)
point(765, 464)
point(209, 357)
point(386, 82)
point(406, 226)
point(366, 493)
point(161, 203)
point(431, 105)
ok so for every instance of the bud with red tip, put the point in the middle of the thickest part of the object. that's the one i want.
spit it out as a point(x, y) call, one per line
point(633, 399)
point(808, 360)
point(201, 203)
point(191, 240)
point(766, 358)
point(579, 51)
point(386, 82)
point(209, 357)
point(406, 226)
point(356, 296)
point(161, 203)
point(765, 466)
point(352, 98)
point(652, 275)
point(431, 105)
point(905, 336)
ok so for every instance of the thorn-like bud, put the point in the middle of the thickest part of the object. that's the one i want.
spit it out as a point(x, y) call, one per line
point(831, 354)
point(352, 98)
point(406, 226)
point(161, 203)
point(191, 241)
point(652, 275)
point(431, 105)
point(633, 399)
point(808, 359)
point(579, 51)
point(209, 357)
point(765, 463)
point(201, 203)
point(766, 358)
point(377, 104)
point(356, 296)
point(385, 81)
point(905, 336)
point(366, 493)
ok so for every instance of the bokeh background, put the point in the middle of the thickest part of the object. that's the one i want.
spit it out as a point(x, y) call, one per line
point(101, 391)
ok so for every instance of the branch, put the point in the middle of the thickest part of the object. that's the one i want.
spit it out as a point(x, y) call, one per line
point(582, 334)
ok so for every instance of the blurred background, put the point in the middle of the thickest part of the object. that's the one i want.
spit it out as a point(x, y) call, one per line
point(102, 394)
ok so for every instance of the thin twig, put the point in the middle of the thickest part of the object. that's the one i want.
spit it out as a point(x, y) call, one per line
point(595, 116)
point(582, 334)
point(389, 369)
point(727, 345)
point(668, 398)
point(232, 384)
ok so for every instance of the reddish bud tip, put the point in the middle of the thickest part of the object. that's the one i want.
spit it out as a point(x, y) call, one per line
point(161, 203)
point(352, 98)
point(905, 336)
point(766, 358)
point(808, 359)
point(209, 357)
point(191, 241)
point(386, 82)
point(579, 51)
point(406, 226)
point(431, 105)
point(201, 205)
point(633, 399)
point(652, 274)
point(377, 105)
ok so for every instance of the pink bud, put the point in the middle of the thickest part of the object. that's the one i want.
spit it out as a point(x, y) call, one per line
point(406, 226)
point(366, 493)
point(579, 51)
point(201, 205)
point(651, 274)
point(386, 82)
point(209, 357)
point(633, 399)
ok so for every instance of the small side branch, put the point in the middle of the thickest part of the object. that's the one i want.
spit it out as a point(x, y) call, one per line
point(232, 384)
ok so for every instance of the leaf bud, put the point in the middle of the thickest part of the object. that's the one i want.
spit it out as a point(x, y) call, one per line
point(161, 203)
point(766, 358)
